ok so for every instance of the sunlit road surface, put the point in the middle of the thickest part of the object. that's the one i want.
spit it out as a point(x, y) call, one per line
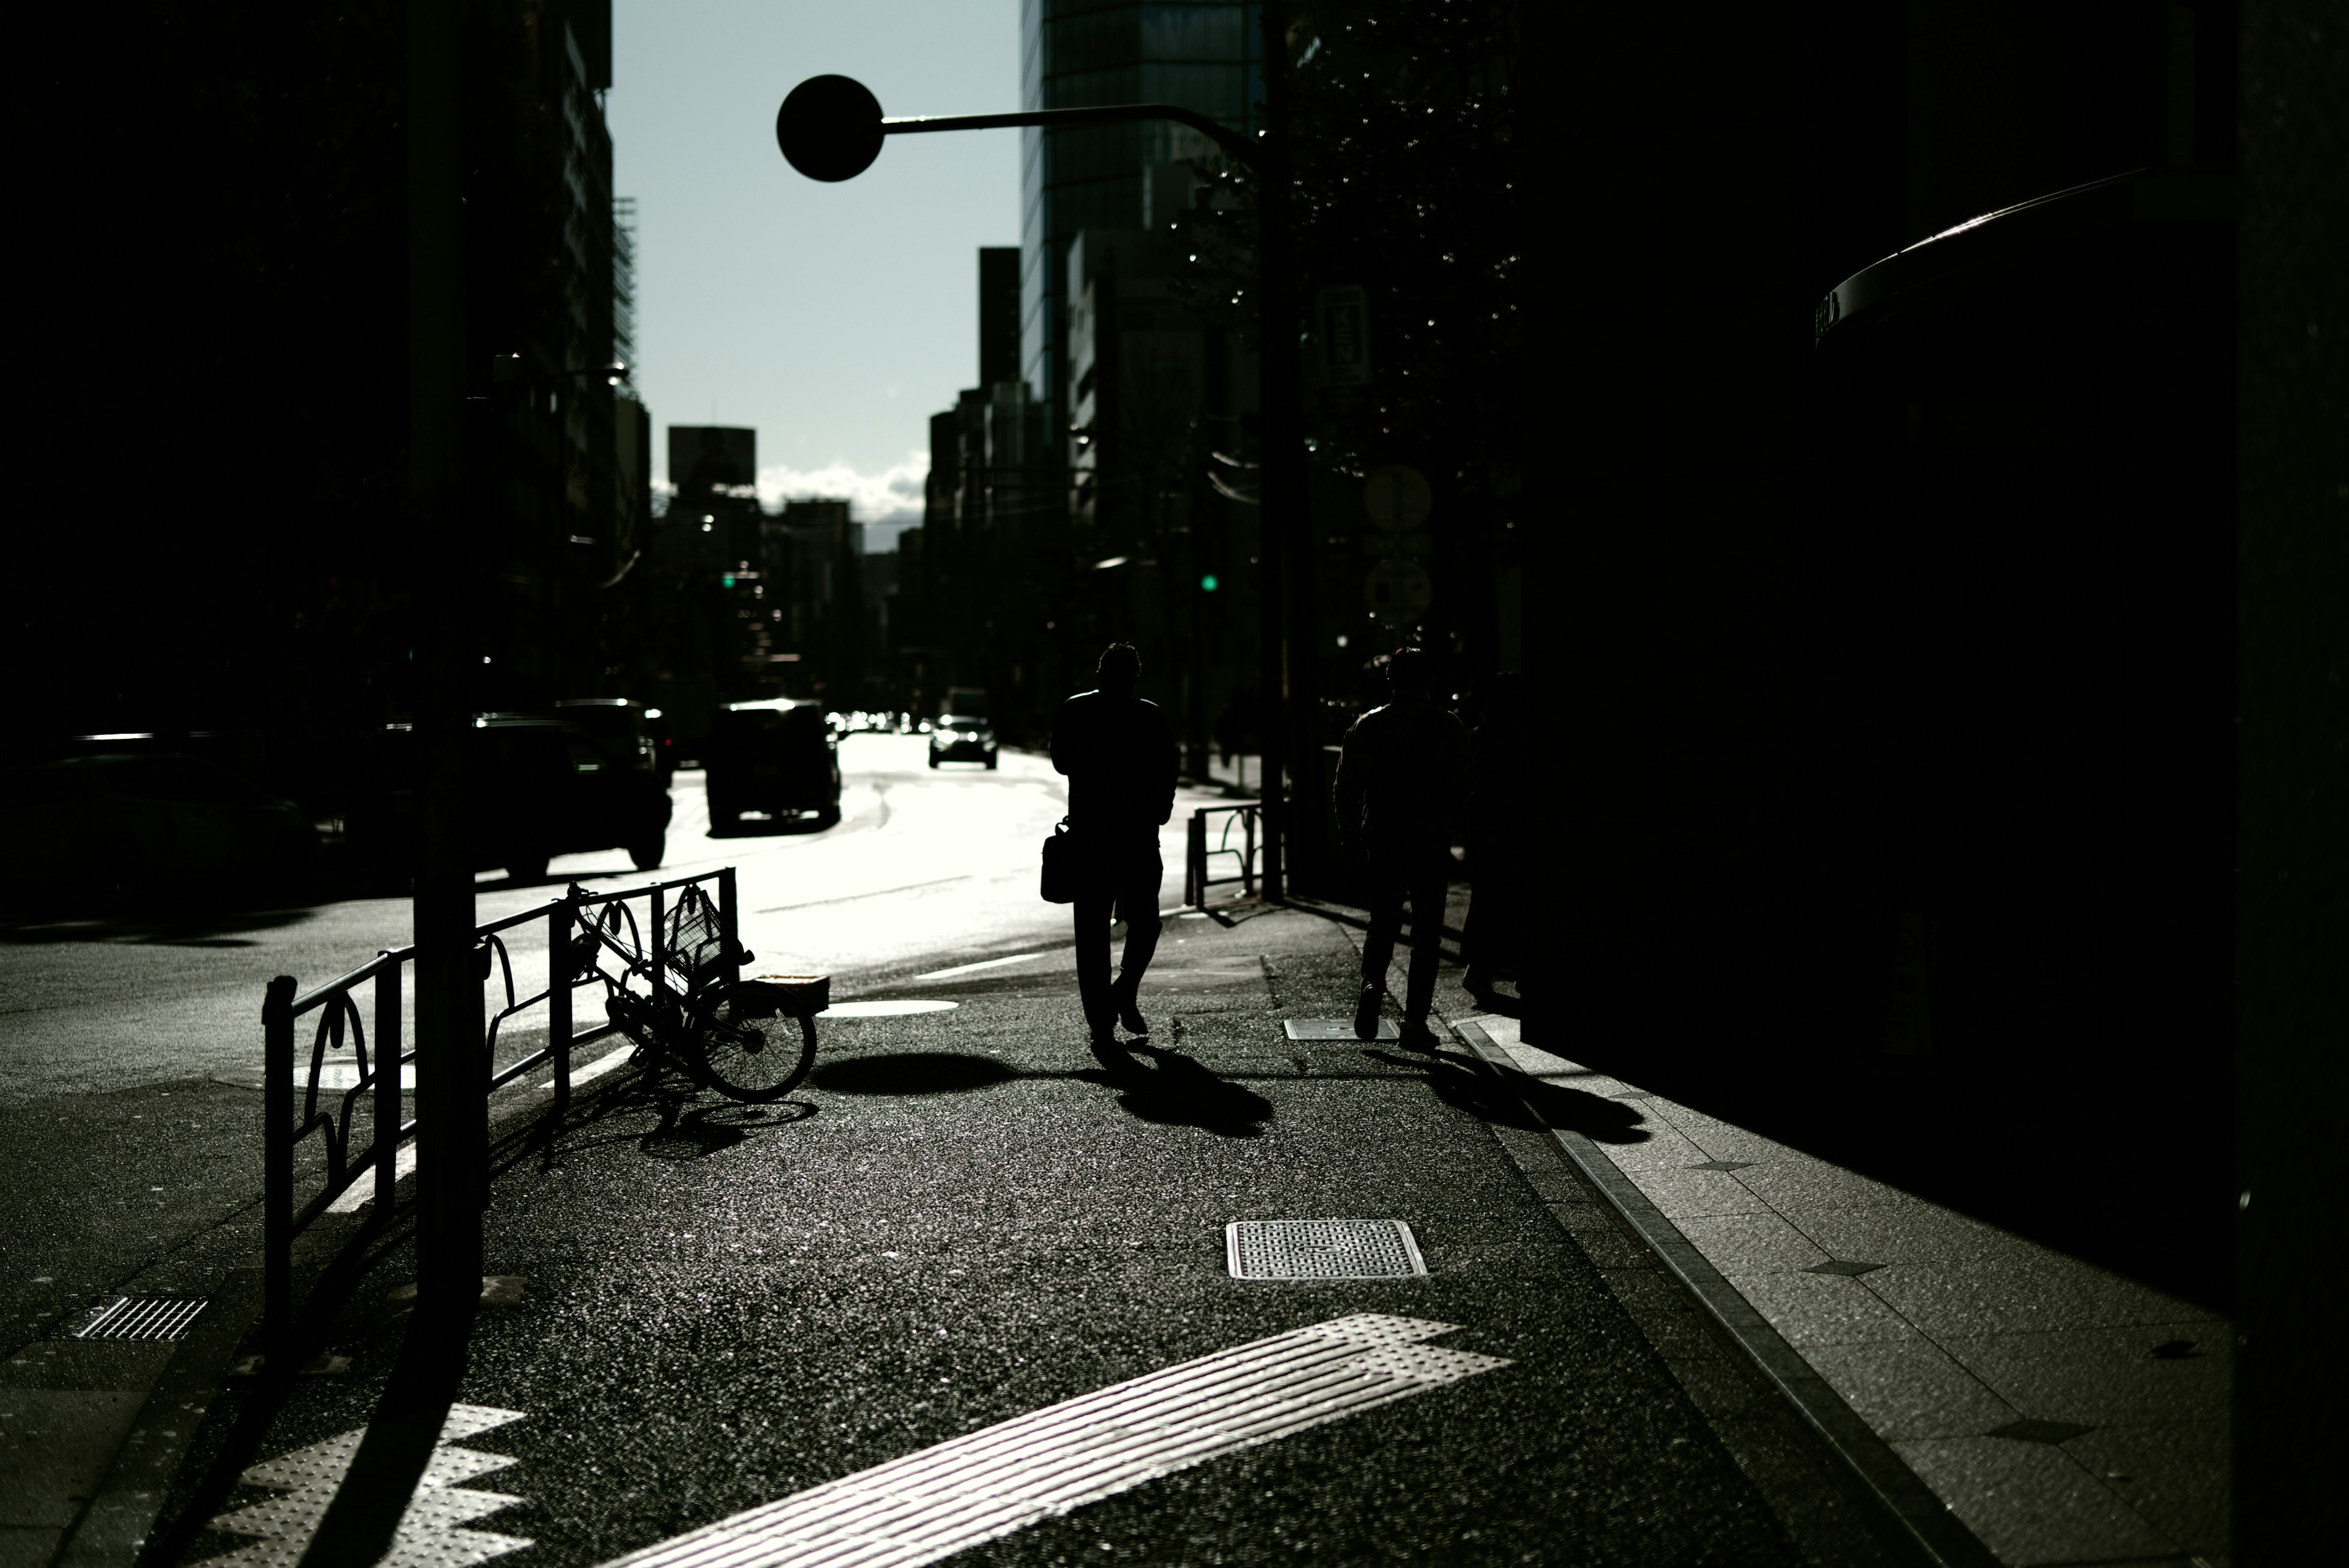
point(925, 869)
point(131, 1047)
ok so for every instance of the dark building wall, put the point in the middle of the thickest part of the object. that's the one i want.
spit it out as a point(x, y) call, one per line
point(999, 314)
point(275, 590)
point(1699, 607)
point(2291, 817)
point(1075, 53)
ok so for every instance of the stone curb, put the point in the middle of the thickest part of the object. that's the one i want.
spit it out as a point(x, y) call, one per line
point(1920, 1513)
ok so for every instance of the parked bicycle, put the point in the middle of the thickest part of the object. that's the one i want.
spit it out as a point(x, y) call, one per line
point(673, 999)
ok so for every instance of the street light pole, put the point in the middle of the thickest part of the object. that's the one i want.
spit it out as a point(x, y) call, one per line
point(451, 1109)
point(830, 128)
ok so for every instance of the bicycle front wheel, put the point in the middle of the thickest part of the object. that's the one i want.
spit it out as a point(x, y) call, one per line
point(757, 1059)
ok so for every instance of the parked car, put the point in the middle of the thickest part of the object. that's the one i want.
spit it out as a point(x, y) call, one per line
point(105, 825)
point(776, 756)
point(622, 726)
point(962, 738)
point(542, 787)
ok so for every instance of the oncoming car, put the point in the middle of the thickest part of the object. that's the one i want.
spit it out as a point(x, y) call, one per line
point(776, 757)
point(541, 788)
point(962, 738)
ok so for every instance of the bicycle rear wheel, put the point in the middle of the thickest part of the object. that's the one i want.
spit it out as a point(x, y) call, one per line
point(756, 1059)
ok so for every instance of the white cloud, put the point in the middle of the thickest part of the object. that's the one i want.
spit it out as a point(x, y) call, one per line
point(892, 495)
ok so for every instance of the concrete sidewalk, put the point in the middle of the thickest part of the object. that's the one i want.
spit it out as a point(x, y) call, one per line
point(1861, 1356)
point(982, 1222)
point(2062, 1413)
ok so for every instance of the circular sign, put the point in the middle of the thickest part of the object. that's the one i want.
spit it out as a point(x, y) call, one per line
point(1396, 496)
point(1398, 593)
point(829, 128)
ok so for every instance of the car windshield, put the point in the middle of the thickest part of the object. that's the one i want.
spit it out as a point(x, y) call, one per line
point(963, 721)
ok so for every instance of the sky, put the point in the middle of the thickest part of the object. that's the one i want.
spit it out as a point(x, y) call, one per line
point(832, 319)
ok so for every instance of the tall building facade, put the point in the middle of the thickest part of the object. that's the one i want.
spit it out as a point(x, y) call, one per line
point(1077, 54)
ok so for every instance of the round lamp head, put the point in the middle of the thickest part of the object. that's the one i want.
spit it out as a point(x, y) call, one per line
point(829, 128)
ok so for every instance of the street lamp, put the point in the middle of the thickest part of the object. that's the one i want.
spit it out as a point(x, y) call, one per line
point(830, 128)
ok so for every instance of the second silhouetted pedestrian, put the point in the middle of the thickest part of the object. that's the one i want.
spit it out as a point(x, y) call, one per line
point(1403, 789)
point(1119, 753)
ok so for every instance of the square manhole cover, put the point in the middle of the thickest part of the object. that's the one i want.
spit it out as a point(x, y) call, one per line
point(1321, 1249)
point(1336, 1029)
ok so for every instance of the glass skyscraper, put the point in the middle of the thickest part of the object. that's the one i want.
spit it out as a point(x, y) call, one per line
point(1077, 54)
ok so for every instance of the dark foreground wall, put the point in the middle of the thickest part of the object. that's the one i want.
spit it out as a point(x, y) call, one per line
point(1894, 760)
point(1946, 767)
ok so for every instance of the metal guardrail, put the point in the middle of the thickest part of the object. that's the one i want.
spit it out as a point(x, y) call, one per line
point(379, 1078)
point(1195, 881)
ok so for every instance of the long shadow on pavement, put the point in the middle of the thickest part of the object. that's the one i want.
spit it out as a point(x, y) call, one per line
point(1181, 1091)
point(1504, 1095)
point(682, 1131)
point(1176, 1090)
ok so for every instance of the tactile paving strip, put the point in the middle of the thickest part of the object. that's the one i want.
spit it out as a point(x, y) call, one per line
point(930, 1505)
point(1321, 1249)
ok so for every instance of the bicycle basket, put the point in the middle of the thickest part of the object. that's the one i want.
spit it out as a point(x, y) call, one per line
point(694, 944)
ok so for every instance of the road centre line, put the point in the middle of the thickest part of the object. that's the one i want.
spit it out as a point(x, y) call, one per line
point(949, 1497)
point(875, 893)
point(975, 968)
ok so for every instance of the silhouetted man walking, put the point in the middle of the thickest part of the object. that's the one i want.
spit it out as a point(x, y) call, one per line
point(1403, 789)
point(1119, 754)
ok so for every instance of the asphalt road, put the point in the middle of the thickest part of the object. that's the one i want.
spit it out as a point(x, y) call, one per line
point(963, 1219)
point(960, 1220)
point(130, 1046)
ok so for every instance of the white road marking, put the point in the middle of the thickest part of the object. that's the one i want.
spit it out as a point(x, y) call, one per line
point(885, 1009)
point(610, 1062)
point(346, 1074)
point(360, 1193)
point(429, 1532)
point(975, 968)
point(877, 893)
point(946, 1499)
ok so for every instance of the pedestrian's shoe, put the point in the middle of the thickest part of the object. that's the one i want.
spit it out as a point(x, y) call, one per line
point(1128, 1013)
point(1417, 1036)
point(1478, 984)
point(1366, 1013)
point(1111, 1053)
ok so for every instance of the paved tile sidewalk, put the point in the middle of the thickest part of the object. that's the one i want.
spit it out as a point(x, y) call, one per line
point(2063, 1413)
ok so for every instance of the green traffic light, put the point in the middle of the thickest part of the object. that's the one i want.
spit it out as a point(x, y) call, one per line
point(1207, 583)
point(729, 582)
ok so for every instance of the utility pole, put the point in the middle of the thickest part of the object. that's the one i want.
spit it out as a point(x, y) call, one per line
point(1293, 736)
point(451, 1084)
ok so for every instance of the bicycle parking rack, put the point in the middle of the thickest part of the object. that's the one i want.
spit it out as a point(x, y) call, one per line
point(379, 1078)
point(1195, 881)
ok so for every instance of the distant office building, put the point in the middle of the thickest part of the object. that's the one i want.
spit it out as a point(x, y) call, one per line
point(1074, 55)
point(707, 459)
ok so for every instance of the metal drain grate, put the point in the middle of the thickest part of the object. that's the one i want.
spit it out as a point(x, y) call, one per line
point(1321, 1249)
point(145, 1317)
point(1336, 1029)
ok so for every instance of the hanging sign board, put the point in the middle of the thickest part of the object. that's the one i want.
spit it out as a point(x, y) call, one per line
point(1397, 592)
point(1342, 336)
point(1397, 497)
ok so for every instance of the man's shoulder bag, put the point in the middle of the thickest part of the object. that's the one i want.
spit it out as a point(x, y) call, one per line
point(1061, 867)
